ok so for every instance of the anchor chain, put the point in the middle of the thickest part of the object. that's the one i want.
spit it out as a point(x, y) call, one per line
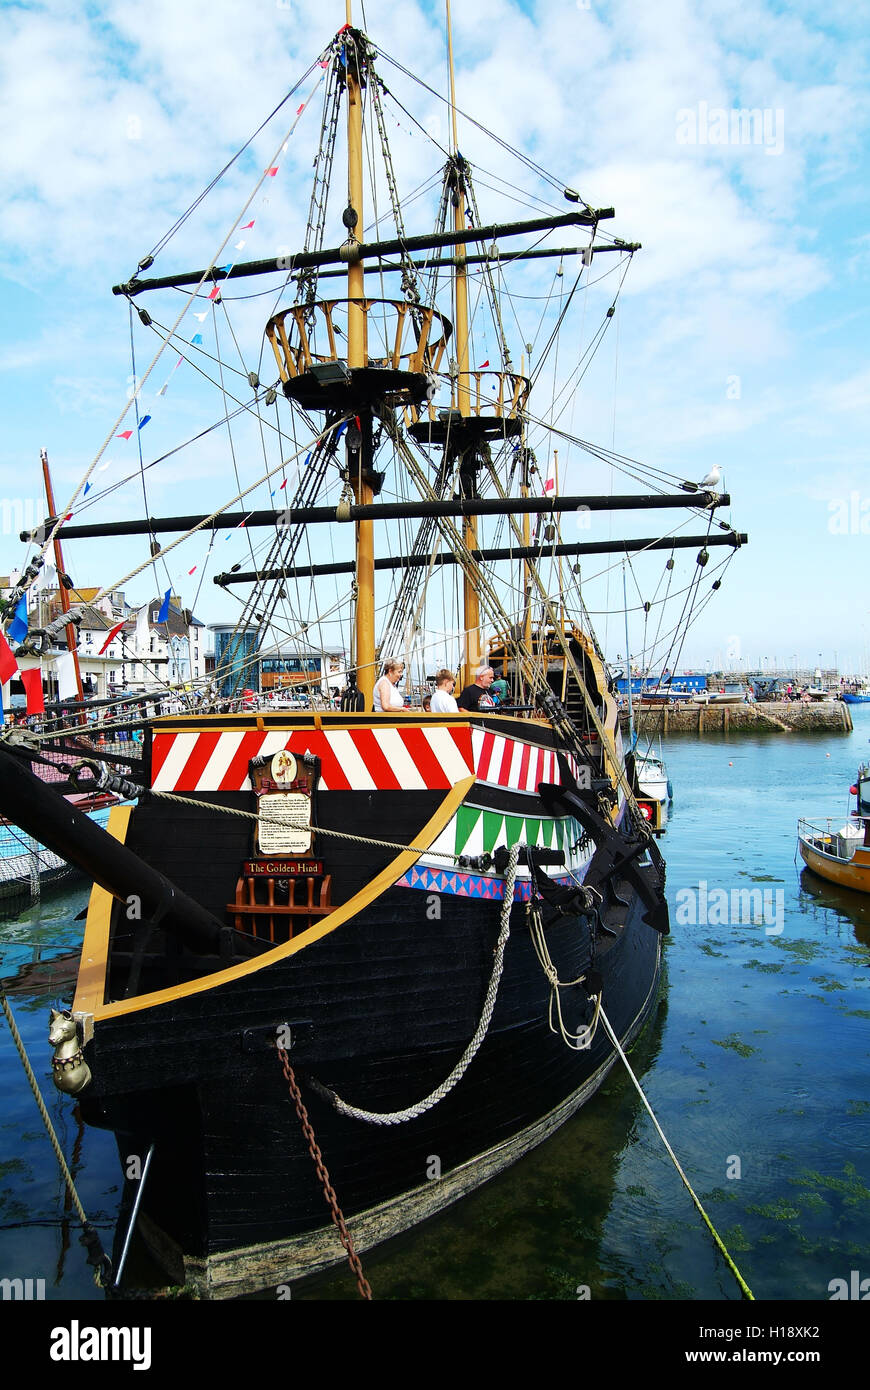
point(344, 1234)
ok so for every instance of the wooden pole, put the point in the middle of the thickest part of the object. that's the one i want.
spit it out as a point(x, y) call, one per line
point(471, 604)
point(71, 636)
point(357, 356)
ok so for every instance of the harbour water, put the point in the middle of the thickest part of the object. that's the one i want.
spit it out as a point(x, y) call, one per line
point(756, 1064)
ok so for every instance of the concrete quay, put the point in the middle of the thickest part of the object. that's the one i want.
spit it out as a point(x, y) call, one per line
point(784, 716)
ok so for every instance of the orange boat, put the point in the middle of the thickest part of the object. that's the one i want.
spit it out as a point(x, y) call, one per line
point(840, 855)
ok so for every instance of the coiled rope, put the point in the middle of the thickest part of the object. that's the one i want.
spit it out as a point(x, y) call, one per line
point(582, 1039)
point(399, 1117)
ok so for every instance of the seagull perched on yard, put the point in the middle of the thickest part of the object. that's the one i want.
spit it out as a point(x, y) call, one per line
point(712, 478)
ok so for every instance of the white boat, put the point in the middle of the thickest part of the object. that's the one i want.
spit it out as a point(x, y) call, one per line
point(734, 693)
point(654, 786)
point(652, 777)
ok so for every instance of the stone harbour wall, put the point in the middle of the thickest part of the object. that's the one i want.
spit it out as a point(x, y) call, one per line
point(776, 717)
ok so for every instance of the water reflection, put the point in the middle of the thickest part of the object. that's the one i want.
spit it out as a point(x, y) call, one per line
point(831, 905)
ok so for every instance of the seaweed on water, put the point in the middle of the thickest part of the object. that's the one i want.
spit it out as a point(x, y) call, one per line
point(850, 1187)
point(735, 1044)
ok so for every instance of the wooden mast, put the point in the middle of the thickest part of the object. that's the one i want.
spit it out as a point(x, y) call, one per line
point(62, 589)
point(359, 462)
point(471, 604)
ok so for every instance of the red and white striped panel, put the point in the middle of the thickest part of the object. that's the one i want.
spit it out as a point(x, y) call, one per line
point(505, 762)
point(372, 759)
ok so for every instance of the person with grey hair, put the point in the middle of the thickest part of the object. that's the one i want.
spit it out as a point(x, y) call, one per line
point(386, 696)
point(477, 697)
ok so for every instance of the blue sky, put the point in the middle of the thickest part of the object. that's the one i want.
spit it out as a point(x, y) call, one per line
point(741, 331)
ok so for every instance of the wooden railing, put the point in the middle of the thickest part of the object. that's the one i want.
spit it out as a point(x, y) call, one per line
point(491, 394)
point(406, 332)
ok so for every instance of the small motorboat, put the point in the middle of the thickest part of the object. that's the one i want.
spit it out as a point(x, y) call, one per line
point(841, 855)
point(654, 790)
point(734, 693)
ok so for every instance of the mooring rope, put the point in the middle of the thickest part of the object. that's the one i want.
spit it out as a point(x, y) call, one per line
point(399, 1117)
point(91, 1239)
point(744, 1287)
point(305, 825)
point(582, 1039)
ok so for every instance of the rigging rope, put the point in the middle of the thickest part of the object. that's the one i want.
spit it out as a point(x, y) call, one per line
point(90, 1236)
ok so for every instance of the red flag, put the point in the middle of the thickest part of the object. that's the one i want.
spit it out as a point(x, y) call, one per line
point(215, 294)
point(125, 435)
point(247, 226)
point(193, 571)
point(8, 664)
point(273, 172)
point(112, 635)
point(483, 364)
point(32, 682)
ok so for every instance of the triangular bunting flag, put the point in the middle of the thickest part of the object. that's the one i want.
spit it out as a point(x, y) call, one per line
point(124, 435)
point(32, 682)
point(67, 686)
point(8, 664)
point(18, 626)
point(143, 634)
point(164, 607)
point(112, 635)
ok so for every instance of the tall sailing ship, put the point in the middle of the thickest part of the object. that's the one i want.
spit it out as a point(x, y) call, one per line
point(415, 935)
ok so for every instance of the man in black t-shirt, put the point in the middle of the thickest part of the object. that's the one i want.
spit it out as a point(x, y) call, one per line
point(477, 696)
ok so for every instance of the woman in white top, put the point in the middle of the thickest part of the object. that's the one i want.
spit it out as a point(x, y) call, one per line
point(443, 701)
point(386, 696)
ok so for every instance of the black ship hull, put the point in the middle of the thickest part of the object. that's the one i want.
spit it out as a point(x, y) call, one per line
point(375, 1001)
point(233, 1203)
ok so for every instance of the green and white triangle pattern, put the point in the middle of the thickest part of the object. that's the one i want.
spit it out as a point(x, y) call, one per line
point(480, 832)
